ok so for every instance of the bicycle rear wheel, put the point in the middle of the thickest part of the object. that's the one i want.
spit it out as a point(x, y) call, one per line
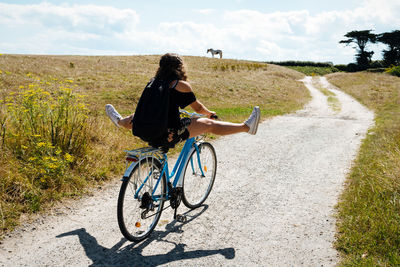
point(139, 205)
point(199, 175)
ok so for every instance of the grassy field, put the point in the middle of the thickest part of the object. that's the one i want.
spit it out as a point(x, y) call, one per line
point(56, 140)
point(369, 208)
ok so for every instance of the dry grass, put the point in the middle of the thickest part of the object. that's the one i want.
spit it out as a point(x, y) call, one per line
point(369, 208)
point(231, 91)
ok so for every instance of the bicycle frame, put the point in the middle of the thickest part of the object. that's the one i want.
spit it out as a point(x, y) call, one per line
point(178, 170)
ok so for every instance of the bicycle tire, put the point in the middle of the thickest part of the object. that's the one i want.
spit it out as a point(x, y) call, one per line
point(129, 211)
point(197, 188)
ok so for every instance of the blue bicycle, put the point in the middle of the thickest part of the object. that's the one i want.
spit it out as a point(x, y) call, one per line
point(146, 185)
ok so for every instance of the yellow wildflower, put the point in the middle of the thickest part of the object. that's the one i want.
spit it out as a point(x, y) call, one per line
point(41, 144)
point(32, 158)
point(24, 147)
point(21, 87)
point(68, 157)
point(52, 166)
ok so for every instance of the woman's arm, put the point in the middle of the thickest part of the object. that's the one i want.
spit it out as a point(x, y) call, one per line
point(197, 106)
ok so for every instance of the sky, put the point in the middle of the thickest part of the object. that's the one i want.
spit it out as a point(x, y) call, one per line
point(307, 30)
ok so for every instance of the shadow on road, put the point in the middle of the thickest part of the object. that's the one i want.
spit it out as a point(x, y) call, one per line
point(131, 255)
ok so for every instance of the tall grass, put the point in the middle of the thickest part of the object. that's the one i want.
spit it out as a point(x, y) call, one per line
point(369, 208)
point(44, 137)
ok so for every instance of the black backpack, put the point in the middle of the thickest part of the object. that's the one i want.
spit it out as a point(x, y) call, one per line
point(151, 116)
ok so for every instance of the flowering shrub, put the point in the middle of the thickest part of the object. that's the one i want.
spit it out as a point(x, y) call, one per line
point(45, 130)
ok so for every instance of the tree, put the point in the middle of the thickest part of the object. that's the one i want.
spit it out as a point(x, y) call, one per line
point(392, 39)
point(361, 38)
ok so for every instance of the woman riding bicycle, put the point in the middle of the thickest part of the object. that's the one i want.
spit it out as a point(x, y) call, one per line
point(172, 69)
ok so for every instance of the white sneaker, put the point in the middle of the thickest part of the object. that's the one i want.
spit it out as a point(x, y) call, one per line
point(113, 114)
point(253, 121)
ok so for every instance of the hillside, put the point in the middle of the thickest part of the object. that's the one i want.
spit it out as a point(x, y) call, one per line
point(57, 141)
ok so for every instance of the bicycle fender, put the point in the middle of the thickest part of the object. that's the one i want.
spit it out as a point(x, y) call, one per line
point(128, 170)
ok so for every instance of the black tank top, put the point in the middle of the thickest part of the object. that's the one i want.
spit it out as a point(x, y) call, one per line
point(178, 100)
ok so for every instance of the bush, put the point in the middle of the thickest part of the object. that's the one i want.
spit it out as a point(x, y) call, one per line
point(302, 63)
point(352, 67)
point(43, 134)
point(394, 70)
point(377, 64)
point(309, 70)
point(341, 67)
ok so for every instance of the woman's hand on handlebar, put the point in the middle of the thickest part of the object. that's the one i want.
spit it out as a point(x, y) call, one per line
point(213, 115)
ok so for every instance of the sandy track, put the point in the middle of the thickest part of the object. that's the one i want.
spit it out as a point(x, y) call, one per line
point(272, 203)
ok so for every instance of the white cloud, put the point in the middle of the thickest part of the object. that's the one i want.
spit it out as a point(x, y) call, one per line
point(249, 34)
point(82, 18)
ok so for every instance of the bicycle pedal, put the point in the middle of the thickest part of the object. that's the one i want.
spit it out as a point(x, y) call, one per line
point(181, 218)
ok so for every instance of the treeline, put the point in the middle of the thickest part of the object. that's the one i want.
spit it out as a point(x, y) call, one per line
point(390, 61)
point(291, 63)
point(361, 40)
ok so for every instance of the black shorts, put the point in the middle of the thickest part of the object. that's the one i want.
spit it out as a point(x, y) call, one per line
point(178, 135)
point(184, 123)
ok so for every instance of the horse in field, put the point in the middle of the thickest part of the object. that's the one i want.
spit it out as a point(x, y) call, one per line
point(215, 52)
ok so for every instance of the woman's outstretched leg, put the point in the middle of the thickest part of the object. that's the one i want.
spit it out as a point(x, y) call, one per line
point(202, 125)
point(117, 119)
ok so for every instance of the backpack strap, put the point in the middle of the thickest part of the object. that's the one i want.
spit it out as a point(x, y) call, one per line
point(175, 84)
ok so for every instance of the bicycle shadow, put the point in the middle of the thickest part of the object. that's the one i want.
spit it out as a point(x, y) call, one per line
point(132, 254)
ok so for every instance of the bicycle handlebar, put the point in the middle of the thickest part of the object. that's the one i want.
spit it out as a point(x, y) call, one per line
point(194, 114)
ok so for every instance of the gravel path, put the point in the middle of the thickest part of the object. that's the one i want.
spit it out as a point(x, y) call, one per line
point(272, 203)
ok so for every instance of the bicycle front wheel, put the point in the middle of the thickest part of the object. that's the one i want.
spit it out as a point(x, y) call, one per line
point(141, 200)
point(199, 175)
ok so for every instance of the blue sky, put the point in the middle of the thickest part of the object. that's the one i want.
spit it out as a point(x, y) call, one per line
point(243, 29)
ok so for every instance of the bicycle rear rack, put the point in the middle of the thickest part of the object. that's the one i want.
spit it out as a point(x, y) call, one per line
point(144, 152)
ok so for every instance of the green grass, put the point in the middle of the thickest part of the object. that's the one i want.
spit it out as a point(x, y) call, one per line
point(313, 71)
point(333, 101)
point(369, 208)
point(59, 143)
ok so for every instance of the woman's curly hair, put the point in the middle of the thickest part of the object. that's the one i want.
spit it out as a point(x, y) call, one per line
point(171, 68)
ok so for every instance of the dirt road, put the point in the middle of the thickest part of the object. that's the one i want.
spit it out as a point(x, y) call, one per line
point(272, 203)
